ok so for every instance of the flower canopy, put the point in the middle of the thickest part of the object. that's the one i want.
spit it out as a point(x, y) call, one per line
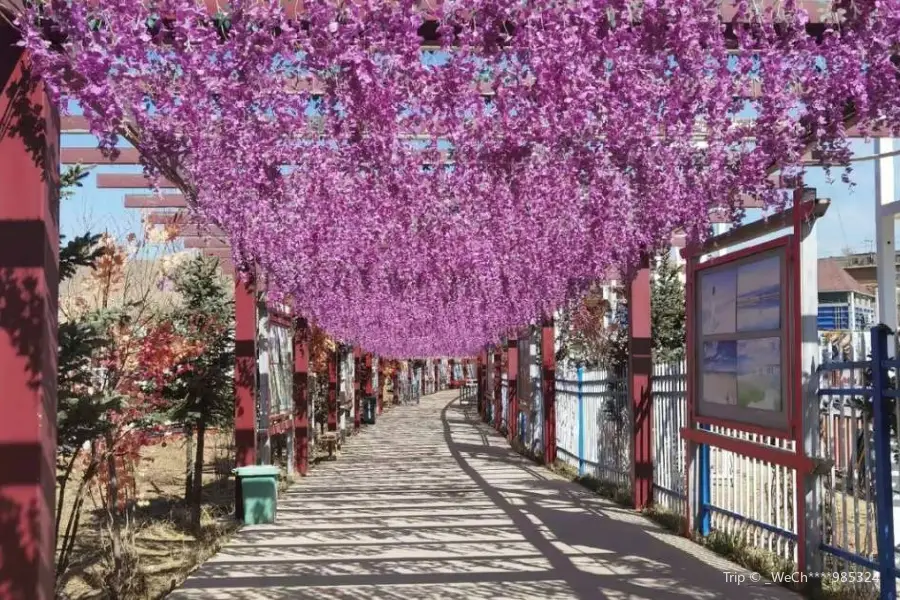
point(424, 199)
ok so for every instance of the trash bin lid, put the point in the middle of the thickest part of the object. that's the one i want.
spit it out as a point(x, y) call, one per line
point(257, 471)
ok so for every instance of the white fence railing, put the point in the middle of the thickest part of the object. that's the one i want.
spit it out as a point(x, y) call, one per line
point(747, 497)
point(593, 424)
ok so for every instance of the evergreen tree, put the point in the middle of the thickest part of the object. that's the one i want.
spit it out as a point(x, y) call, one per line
point(202, 390)
point(667, 312)
point(81, 405)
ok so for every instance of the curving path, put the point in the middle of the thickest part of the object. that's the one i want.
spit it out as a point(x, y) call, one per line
point(431, 504)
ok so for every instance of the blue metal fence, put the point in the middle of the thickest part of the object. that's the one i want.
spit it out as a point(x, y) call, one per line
point(757, 500)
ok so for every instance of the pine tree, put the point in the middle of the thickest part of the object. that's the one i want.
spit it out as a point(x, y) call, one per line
point(667, 313)
point(203, 389)
point(81, 407)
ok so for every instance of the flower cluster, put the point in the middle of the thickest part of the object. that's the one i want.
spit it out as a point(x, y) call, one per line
point(425, 200)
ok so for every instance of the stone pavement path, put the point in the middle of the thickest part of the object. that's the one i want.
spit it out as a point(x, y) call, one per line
point(431, 504)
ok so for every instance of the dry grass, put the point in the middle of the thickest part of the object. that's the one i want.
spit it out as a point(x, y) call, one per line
point(165, 548)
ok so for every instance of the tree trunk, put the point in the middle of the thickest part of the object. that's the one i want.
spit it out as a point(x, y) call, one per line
point(62, 488)
point(197, 495)
point(188, 462)
point(112, 504)
point(74, 518)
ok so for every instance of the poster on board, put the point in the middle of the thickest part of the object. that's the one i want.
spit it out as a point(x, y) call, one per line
point(719, 302)
point(759, 295)
point(759, 374)
point(720, 383)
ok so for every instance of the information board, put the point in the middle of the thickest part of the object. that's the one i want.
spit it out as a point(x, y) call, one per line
point(742, 339)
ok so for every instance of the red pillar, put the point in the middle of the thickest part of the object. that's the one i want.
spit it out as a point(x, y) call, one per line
point(244, 371)
point(380, 393)
point(639, 371)
point(451, 378)
point(396, 394)
point(498, 389)
point(368, 375)
point(548, 381)
point(357, 388)
point(333, 359)
point(479, 380)
point(512, 395)
point(301, 397)
point(29, 284)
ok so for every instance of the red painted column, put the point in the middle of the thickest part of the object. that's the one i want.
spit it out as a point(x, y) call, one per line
point(479, 380)
point(367, 378)
point(380, 392)
point(333, 359)
point(396, 394)
point(357, 388)
point(639, 372)
point(437, 377)
point(452, 377)
point(548, 392)
point(29, 284)
point(498, 389)
point(244, 371)
point(301, 397)
point(512, 392)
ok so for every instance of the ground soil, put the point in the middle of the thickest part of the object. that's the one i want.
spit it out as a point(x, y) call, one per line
point(166, 548)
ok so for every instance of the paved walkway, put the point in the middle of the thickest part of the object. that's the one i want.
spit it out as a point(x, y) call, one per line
point(430, 504)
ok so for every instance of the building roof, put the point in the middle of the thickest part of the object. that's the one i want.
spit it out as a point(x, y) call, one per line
point(834, 278)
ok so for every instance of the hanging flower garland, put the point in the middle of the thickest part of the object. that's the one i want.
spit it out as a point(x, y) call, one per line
point(426, 203)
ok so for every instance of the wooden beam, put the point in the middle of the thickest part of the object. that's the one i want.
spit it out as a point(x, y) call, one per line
point(191, 230)
point(74, 124)
point(180, 217)
point(223, 254)
point(128, 181)
point(153, 200)
point(93, 156)
point(205, 243)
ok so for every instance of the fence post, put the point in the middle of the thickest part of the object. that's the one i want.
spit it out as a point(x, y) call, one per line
point(884, 512)
point(704, 488)
point(548, 380)
point(580, 422)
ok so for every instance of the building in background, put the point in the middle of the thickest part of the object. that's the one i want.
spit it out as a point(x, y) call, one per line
point(847, 310)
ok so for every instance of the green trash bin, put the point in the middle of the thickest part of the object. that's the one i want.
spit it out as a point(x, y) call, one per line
point(368, 410)
point(257, 493)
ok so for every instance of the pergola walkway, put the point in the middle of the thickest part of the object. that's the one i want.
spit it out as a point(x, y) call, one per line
point(432, 504)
